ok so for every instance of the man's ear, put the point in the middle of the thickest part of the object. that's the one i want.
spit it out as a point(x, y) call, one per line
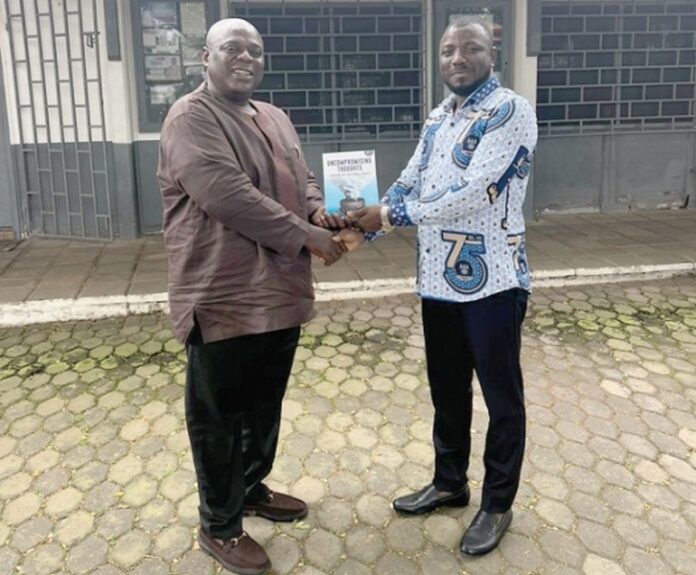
point(206, 56)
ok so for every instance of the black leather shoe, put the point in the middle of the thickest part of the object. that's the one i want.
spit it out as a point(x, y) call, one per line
point(485, 532)
point(430, 498)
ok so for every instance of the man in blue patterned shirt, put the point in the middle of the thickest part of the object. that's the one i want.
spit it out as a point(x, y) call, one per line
point(464, 188)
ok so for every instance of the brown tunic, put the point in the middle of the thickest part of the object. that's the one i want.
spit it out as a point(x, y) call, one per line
point(236, 194)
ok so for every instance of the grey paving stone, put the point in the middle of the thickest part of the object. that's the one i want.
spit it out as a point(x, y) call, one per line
point(394, 564)
point(31, 533)
point(150, 566)
point(599, 539)
point(374, 510)
point(639, 562)
point(74, 528)
point(404, 535)
point(115, 522)
point(87, 555)
point(15, 485)
point(172, 542)
point(177, 485)
point(522, 552)
point(18, 510)
point(43, 560)
point(139, 491)
point(284, 554)
point(351, 567)
point(101, 497)
point(155, 514)
point(130, 548)
point(594, 565)
point(335, 515)
point(63, 502)
point(563, 547)
point(9, 559)
point(323, 549)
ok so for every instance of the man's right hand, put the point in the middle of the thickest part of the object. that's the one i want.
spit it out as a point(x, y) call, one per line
point(319, 242)
point(324, 219)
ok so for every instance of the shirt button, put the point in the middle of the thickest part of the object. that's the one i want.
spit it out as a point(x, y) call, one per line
point(451, 124)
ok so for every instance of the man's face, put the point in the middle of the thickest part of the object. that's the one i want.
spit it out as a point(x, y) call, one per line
point(234, 58)
point(466, 58)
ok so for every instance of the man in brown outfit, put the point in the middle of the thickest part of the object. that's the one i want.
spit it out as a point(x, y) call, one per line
point(239, 208)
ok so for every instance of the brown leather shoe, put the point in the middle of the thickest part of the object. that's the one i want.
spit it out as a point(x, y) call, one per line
point(240, 554)
point(277, 507)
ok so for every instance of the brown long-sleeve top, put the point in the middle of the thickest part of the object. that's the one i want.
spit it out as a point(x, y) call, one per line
point(236, 195)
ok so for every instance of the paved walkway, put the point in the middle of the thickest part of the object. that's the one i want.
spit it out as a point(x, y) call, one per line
point(563, 247)
point(96, 475)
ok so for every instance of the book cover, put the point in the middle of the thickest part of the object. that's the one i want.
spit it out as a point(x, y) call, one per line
point(350, 181)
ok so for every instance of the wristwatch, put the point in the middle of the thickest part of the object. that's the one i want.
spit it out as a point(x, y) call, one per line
point(384, 217)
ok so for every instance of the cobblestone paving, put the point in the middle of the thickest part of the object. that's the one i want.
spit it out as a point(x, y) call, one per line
point(96, 476)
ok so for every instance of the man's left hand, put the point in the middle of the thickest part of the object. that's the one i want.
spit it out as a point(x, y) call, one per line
point(323, 219)
point(367, 219)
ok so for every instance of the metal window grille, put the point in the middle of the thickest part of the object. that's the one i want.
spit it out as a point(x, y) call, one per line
point(63, 170)
point(617, 66)
point(343, 71)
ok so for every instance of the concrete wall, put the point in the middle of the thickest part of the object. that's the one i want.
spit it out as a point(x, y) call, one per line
point(614, 172)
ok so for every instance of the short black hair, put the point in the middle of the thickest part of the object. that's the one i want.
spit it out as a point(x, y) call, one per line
point(471, 21)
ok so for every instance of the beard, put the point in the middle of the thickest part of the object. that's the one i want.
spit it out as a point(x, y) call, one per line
point(460, 90)
point(463, 91)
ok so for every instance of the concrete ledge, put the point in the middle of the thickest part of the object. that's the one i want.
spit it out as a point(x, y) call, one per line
point(91, 308)
point(84, 308)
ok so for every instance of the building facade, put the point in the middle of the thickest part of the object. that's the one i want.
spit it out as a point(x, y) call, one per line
point(86, 84)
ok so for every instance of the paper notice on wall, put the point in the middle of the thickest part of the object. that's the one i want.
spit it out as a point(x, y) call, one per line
point(163, 68)
point(350, 180)
point(161, 41)
point(193, 18)
point(154, 14)
point(162, 95)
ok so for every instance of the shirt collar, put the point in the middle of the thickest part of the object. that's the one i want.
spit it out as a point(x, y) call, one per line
point(479, 95)
point(482, 92)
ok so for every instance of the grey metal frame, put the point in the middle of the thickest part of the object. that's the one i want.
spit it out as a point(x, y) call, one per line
point(43, 171)
point(8, 188)
point(111, 23)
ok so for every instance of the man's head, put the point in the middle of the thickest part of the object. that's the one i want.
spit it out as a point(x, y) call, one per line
point(467, 55)
point(233, 56)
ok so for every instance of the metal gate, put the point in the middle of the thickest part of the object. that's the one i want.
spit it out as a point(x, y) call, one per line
point(62, 162)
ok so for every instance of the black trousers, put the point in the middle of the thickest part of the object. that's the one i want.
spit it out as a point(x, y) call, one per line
point(484, 337)
point(234, 392)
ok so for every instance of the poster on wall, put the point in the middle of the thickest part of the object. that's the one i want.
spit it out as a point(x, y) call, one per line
point(161, 41)
point(156, 14)
point(193, 18)
point(162, 95)
point(350, 180)
point(163, 68)
point(192, 54)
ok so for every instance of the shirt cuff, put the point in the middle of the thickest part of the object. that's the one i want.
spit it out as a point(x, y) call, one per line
point(372, 236)
point(398, 215)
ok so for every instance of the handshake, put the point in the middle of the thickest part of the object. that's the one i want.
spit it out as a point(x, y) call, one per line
point(333, 235)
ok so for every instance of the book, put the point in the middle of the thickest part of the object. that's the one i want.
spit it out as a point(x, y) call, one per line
point(350, 181)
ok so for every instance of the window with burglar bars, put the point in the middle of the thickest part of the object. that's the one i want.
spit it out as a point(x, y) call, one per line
point(342, 71)
point(617, 66)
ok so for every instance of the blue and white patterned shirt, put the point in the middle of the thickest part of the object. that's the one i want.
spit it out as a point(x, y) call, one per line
point(464, 188)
